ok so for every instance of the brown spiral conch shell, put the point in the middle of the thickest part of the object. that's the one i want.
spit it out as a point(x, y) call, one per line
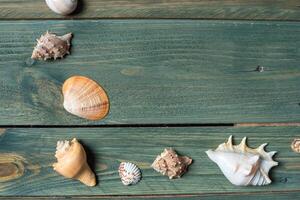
point(84, 98)
point(296, 145)
point(72, 162)
point(51, 46)
point(170, 164)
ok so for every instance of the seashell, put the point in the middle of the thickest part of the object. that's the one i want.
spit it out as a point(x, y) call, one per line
point(170, 164)
point(242, 165)
point(52, 46)
point(296, 145)
point(84, 98)
point(63, 7)
point(129, 173)
point(72, 163)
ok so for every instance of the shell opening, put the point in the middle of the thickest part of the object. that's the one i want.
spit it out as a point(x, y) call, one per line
point(62, 147)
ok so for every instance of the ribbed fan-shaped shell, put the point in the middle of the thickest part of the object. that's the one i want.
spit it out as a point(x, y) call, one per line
point(84, 98)
point(129, 173)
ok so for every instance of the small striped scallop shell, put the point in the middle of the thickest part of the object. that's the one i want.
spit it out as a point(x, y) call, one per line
point(129, 173)
point(84, 98)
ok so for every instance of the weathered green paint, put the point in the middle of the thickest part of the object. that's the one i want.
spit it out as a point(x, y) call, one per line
point(239, 196)
point(156, 71)
point(198, 9)
point(106, 147)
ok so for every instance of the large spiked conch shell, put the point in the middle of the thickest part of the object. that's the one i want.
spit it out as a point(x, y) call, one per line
point(52, 46)
point(72, 162)
point(242, 165)
point(83, 97)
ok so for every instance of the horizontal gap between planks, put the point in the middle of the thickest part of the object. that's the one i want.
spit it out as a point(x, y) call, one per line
point(145, 18)
point(276, 124)
point(122, 125)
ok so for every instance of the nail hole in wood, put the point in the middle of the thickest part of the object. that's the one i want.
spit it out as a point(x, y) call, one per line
point(260, 68)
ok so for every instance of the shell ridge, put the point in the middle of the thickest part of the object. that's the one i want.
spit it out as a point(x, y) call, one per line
point(85, 93)
point(129, 173)
point(242, 146)
point(89, 99)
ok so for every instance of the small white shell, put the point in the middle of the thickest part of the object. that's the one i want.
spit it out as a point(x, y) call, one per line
point(129, 173)
point(63, 7)
point(296, 145)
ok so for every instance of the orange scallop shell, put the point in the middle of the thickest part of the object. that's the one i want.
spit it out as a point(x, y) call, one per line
point(85, 98)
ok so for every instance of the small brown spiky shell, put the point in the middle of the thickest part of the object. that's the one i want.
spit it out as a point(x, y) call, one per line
point(51, 46)
point(170, 164)
point(296, 145)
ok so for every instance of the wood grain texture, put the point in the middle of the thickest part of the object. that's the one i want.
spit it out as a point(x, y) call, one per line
point(197, 9)
point(156, 71)
point(241, 196)
point(107, 147)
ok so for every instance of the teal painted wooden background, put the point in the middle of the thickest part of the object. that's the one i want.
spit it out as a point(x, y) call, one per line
point(170, 68)
point(170, 9)
point(156, 71)
point(31, 152)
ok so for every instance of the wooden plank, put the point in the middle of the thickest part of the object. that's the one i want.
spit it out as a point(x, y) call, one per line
point(156, 71)
point(197, 9)
point(31, 151)
point(244, 196)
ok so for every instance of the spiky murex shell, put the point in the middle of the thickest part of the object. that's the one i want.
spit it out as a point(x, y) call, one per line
point(51, 46)
point(259, 173)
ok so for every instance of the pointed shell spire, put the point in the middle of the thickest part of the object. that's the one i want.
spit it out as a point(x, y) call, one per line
point(85, 98)
point(243, 165)
point(51, 46)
